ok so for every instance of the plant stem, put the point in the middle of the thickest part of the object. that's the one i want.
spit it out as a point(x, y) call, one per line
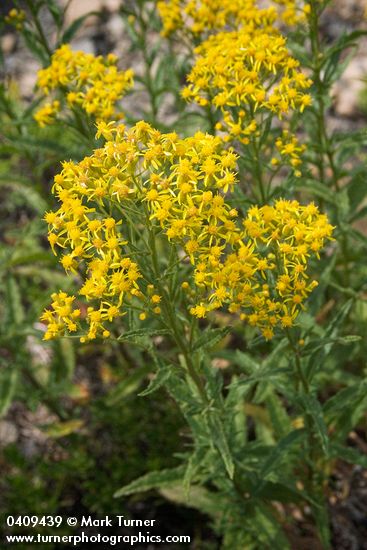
point(314, 467)
point(41, 35)
point(325, 146)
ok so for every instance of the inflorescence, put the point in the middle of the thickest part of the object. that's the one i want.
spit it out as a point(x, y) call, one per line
point(256, 266)
point(92, 84)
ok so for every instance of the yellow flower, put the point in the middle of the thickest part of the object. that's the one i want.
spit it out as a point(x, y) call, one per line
point(256, 266)
point(265, 275)
point(93, 84)
point(244, 74)
point(199, 18)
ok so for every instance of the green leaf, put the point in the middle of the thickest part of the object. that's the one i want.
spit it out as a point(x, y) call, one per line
point(194, 464)
point(349, 339)
point(312, 407)
point(220, 440)
point(152, 480)
point(281, 493)
point(267, 523)
point(276, 356)
point(201, 499)
point(328, 340)
point(73, 28)
point(29, 195)
point(318, 189)
point(346, 397)
point(56, 12)
point(8, 384)
point(357, 190)
point(210, 338)
point(262, 376)
point(278, 415)
point(66, 359)
point(63, 429)
point(15, 311)
point(159, 380)
point(333, 65)
point(279, 453)
point(135, 335)
point(128, 386)
point(348, 454)
point(35, 46)
point(246, 362)
point(338, 318)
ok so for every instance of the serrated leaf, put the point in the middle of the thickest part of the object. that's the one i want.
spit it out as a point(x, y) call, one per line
point(312, 407)
point(281, 493)
point(276, 355)
point(210, 338)
point(348, 454)
point(262, 376)
point(349, 339)
point(338, 318)
point(279, 452)
point(344, 398)
point(159, 380)
point(194, 464)
point(128, 386)
point(318, 189)
point(28, 194)
point(135, 335)
point(266, 521)
point(357, 190)
point(245, 361)
point(278, 415)
point(152, 480)
point(220, 441)
point(199, 498)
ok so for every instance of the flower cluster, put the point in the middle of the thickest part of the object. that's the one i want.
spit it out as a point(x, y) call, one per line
point(244, 75)
point(292, 12)
point(16, 18)
point(47, 114)
point(93, 84)
point(290, 151)
point(200, 18)
point(179, 182)
point(265, 276)
point(181, 186)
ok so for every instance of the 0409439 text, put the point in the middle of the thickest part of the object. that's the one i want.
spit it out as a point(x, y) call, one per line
point(34, 521)
point(84, 521)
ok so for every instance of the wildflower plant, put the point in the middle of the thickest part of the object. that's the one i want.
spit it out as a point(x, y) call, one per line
point(227, 244)
point(178, 186)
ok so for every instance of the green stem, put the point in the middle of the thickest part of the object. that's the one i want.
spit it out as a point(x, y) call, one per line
point(301, 377)
point(314, 467)
point(258, 171)
point(148, 80)
point(325, 147)
point(41, 35)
